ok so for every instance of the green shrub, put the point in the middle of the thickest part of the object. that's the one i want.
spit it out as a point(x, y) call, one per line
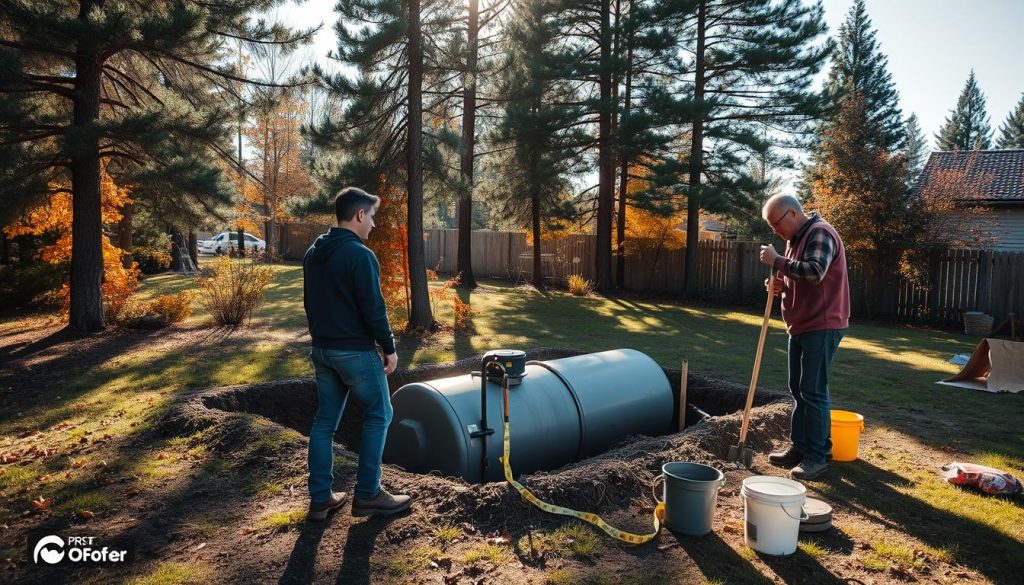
point(152, 259)
point(232, 289)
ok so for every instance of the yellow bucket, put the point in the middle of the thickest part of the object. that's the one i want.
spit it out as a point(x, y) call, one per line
point(846, 428)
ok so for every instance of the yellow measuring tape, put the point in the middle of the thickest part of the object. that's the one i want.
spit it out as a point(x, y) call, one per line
point(594, 519)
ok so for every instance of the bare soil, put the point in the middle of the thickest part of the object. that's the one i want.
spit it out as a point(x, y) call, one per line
point(212, 512)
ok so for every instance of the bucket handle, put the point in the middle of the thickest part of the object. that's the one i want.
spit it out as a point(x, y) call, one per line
point(803, 514)
point(661, 478)
point(654, 486)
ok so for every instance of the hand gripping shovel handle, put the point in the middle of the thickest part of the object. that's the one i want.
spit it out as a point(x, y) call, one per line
point(757, 360)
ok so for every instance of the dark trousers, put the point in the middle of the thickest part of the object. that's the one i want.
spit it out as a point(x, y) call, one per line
point(810, 355)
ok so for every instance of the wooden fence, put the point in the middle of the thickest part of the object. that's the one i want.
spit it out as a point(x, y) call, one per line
point(729, 271)
point(959, 280)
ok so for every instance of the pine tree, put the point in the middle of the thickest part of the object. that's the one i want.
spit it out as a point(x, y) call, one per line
point(398, 70)
point(967, 127)
point(86, 81)
point(1011, 135)
point(861, 188)
point(539, 132)
point(917, 149)
point(859, 64)
point(752, 66)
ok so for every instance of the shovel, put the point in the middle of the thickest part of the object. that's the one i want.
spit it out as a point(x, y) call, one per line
point(740, 452)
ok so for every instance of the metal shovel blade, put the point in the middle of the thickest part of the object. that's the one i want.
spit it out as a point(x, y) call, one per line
point(741, 454)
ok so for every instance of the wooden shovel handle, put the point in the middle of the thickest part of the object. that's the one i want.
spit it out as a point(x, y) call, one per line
point(757, 358)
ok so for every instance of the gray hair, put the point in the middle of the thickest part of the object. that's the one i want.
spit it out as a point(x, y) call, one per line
point(781, 202)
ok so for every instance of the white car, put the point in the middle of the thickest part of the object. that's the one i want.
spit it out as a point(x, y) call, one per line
point(224, 242)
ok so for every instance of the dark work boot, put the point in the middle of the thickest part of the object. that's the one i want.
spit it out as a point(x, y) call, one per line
point(383, 504)
point(788, 459)
point(319, 510)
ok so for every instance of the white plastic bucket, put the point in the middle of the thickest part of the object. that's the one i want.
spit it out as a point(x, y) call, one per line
point(772, 511)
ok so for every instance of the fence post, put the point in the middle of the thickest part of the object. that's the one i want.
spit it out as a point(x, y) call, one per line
point(934, 265)
point(741, 261)
point(984, 303)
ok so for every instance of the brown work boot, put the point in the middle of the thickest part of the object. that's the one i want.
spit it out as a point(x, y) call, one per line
point(788, 459)
point(319, 510)
point(383, 504)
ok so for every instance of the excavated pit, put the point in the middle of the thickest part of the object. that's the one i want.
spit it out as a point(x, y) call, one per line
point(608, 479)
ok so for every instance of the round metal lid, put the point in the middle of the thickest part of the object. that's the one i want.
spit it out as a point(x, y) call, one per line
point(818, 512)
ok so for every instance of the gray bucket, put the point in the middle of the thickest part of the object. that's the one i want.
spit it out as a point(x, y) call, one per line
point(690, 493)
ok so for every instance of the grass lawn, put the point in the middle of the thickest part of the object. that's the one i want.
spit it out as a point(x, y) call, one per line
point(886, 373)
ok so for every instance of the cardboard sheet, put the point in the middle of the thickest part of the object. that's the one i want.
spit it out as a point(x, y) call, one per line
point(997, 365)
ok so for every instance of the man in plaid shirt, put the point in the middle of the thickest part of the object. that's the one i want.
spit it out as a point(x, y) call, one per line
point(812, 279)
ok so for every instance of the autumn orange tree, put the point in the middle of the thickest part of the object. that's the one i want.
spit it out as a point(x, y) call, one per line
point(54, 217)
point(860, 188)
point(280, 174)
point(648, 233)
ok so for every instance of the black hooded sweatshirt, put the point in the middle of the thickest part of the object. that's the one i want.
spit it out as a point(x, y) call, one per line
point(341, 294)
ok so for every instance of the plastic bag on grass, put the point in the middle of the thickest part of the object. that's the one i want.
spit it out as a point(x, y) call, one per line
point(989, 480)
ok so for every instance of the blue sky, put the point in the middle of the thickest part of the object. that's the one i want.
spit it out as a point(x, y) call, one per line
point(932, 45)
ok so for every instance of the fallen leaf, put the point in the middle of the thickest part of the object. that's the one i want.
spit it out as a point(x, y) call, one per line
point(444, 563)
point(201, 546)
point(78, 463)
point(161, 455)
point(9, 458)
point(45, 477)
point(499, 540)
point(41, 504)
point(85, 514)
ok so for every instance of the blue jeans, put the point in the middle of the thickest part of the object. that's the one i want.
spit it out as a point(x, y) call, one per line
point(339, 373)
point(810, 355)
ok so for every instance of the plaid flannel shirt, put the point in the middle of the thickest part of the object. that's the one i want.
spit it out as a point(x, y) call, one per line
point(818, 255)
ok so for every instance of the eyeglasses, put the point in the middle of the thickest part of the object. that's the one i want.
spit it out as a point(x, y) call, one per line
point(775, 224)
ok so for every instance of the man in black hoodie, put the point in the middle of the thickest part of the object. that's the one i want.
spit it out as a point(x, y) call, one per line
point(347, 321)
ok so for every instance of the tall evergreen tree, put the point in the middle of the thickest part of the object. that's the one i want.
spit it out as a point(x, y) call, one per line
point(859, 64)
point(399, 74)
point(967, 126)
point(1011, 135)
point(540, 125)
point(917, 149)
point(139, 83)
point(472, 66)
point(752, 65)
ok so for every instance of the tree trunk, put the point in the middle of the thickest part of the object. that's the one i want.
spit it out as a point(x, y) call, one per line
point(86, 310)
point(620, 231)
point(420, 316)
point(176, 252)
point(464, 263)
point(5, 249)
point(696, 161)
point(124, 235)
point(193, 247)
point(241, 243)
point(606, 166)
point(538, 263)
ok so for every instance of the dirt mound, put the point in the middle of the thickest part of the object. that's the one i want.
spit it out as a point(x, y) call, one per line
point(605, 482)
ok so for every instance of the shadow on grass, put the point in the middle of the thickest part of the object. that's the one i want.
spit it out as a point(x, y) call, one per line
point(359, 544)
point(717, 560)
point(872, 492)
point(302, 561)
point(886, 373)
